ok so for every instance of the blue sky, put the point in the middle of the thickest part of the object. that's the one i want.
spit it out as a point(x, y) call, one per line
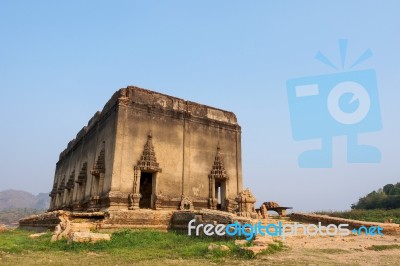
point(61, 62)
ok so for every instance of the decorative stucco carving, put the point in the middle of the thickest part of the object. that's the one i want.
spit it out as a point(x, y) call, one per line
point(61, 187)
point(147, 163)
point(218, 169)
point(53, 192)
point(246, 200)
point(82, 177)
point(133, 201)
point(159, 198)
point(217, 174)
point(186, 204)
point(100, 166)
point(71, 181)
point(148, 160)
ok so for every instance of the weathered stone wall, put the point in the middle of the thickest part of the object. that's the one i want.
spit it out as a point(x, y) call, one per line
point(74, 186)
point(43, 221)
point(139, 219)
point(181, 219)
point(185, 137)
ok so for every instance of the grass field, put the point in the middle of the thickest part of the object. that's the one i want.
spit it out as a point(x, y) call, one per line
point(367, 215)
point(125, 247)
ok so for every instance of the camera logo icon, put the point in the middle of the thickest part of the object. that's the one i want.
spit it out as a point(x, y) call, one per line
point(339, 104)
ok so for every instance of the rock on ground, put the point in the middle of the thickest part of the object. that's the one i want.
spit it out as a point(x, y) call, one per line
point(240, 242)
point(255, 250)
point(218, 247)
point(37, 235)
point(89, 237)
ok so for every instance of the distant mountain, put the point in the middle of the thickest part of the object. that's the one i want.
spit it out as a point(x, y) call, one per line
point(43, 201)
point(15, 199)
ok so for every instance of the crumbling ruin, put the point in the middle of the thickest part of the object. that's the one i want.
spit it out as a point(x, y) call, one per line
point(146, 150)
point(273, 206)
point(147, 155)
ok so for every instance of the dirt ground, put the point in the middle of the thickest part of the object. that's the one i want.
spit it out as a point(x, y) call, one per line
point(334, 250)
point(349, 250)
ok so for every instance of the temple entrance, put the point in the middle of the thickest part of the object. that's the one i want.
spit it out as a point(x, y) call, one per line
point(220, 194)
point(146, 190)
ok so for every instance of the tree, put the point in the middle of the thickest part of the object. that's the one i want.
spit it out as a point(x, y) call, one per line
point(387, 197)
point(388, 188)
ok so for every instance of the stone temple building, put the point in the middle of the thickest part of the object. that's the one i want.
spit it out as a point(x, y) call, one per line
point(147, 150)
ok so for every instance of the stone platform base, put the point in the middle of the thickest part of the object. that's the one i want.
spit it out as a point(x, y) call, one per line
point(180, 219)
point(131, 219)
point(50, 220)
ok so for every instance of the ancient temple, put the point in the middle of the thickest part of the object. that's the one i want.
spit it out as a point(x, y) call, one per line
point(147, 150)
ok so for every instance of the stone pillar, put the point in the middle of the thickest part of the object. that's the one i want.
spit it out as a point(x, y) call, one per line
point(159, 198)
point(154, 190)
point(264, 212)
point(135, 197)
point(213, 201)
